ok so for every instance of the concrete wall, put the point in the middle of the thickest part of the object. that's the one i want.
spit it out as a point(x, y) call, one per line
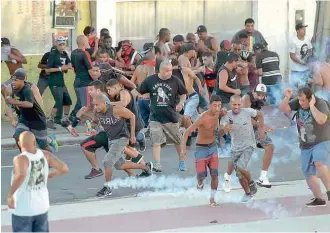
point(106, 17)
point(276, 21)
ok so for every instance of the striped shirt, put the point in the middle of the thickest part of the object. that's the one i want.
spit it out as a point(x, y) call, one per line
point(269, 62)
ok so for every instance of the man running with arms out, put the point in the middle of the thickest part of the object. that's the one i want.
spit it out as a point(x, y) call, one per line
point(28, 197)
point(206, 154)
point(256, 100)
point(165, 90)
point(113, 120)
point(238, 123)
point(313, 123)
point(31, 116)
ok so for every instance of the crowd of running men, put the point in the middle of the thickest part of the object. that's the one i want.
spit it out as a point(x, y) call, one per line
point(172, 92)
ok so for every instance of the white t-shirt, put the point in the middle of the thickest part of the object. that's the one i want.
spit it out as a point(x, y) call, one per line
point(300, 48)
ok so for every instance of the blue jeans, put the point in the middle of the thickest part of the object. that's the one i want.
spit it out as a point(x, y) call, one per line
point(318, 153)
point(38, 223)
point(274, 94)
point(144, 109)
point(203, 103)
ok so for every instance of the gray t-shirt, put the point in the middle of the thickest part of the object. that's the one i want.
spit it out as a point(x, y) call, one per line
point(242, 135)
point(310, 132)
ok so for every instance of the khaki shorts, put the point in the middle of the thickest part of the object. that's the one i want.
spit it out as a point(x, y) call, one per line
point(164, 133)
point(113, 158)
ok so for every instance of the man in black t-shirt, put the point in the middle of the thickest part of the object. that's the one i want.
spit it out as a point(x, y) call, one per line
point(85, 74)
point(31, 116)
point(57, 63)
point(164, 110)
point(313, 123)
point(43, 76)
point(268, 65)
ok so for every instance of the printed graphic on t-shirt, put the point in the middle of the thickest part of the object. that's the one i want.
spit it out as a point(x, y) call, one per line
point(37, 175)
point(304, 51)
point(233, 78)
point(63, 60)
point(306, 127)
point(164, 93)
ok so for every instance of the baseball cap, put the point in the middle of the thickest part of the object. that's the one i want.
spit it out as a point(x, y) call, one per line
point(61, 40)
point(5, 41)
point(300, 25)
point(258, 45)
point(232, 57)
point(225, 44)
point(261, 88)
point(19, 74)
point(201, 28)
point(178, 38)
point(187, 47)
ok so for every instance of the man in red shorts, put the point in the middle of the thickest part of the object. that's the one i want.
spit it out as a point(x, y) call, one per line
point(206, 153)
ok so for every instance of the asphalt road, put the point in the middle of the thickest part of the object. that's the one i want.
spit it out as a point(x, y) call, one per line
point(73, 187)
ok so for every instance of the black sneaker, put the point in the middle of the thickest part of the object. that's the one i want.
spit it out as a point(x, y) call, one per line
point(50, 124)
point(137, 159)
point(94, 173)
point(75, 121)
point(157, 168)
point(65, 123)
point(142, 143)
point(104, 192)
point(328, 193)
point(253, 188)
point(316, 202)
point(148, 171)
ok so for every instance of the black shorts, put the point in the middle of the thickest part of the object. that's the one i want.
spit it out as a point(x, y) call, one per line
point(93, 143)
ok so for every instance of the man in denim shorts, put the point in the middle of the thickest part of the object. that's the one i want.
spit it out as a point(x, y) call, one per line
point(206, 154)
point(238, 123)
point(313, 123)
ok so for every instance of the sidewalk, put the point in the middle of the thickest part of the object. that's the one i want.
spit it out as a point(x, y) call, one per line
point(281, 208)
point(63, 136)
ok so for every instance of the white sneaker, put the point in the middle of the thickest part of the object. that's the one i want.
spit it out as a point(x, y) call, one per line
point(227, 183)
point(264, 182)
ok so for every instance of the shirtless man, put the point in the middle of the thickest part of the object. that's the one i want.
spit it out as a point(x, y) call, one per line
point(164, 37)
point(321, 77)
point(206, 43)
point(142, 71)
point(188, 53)
point(242, 69)
point(206, 154)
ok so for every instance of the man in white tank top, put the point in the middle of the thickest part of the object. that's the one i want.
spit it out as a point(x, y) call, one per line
point(28, 197)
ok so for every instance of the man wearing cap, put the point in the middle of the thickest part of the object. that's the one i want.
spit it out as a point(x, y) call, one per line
point(206, 43)
point(178, 42)
point(14, 59)
point(31, 116)
point(254, 36)
point(255, 100)
point(300, 50)
point(58, 63)
point(227, 81)
point(268, 65)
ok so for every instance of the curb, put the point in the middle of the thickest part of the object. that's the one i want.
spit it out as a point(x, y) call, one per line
point(10, 144)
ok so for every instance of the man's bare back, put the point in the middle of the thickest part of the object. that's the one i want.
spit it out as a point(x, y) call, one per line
point(141, 73)
point(243, 73)
point(162, 48)
point(206, 128)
